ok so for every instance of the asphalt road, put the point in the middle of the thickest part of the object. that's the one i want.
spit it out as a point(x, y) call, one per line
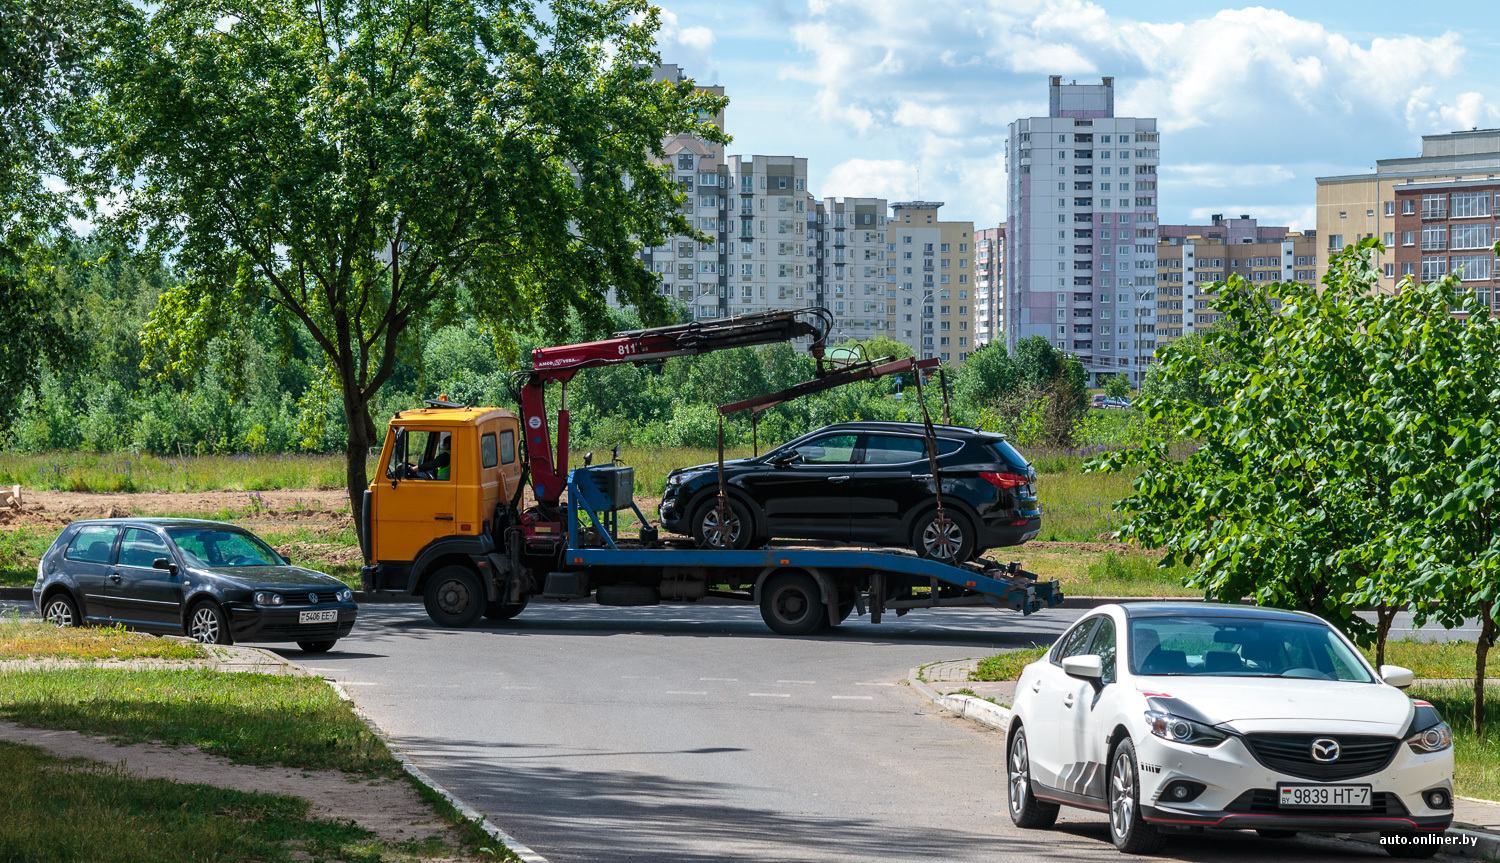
point(679, 733)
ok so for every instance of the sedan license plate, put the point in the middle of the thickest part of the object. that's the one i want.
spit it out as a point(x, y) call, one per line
point(329, 616)
point(1332, 796)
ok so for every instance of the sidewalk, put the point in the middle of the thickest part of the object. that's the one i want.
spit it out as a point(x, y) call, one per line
point(1478, 821)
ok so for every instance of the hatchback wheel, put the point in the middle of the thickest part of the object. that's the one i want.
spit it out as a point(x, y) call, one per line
point(944, 536)
point(1130, 833)
point(207, 624)
point(62, 611)
point(712, 529)
point(1025, 810)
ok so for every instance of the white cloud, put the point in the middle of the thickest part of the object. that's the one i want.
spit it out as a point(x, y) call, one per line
point(1247, 98)
point(892, 179)
point(689, 47)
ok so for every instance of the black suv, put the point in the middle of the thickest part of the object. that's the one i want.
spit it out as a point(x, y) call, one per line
point(867, 482)
point(205, 579)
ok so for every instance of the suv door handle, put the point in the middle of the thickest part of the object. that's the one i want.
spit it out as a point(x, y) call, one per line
point(1068, 701)
point(837, 478)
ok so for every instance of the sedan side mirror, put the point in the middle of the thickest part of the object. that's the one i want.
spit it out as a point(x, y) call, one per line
point(1397, 676)
point(284, 559)
point(164, 563)
point(1087, 667)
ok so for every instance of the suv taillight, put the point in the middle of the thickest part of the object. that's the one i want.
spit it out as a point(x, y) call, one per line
point(1003, 480)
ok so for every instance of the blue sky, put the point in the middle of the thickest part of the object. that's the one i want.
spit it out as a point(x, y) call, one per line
point(1254, 101)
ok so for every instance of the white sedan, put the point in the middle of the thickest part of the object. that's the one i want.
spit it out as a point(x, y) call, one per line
point(1176, 715)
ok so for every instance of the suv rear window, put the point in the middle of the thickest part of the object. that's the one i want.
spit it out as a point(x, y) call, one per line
point(1008, 455)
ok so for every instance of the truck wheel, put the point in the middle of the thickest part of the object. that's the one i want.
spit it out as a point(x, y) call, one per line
point(454, 597)
point(948, 541)
point(792, 604)
point(735, 535)
point(504, 610)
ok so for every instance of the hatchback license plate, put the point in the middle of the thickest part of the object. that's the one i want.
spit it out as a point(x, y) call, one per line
point(329, 616)
point(1333, 796)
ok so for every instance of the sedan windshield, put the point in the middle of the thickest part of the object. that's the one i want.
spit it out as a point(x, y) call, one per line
point(1241, 647)
point(217, 547)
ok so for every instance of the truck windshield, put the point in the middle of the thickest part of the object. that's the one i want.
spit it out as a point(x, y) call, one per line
point(216, 547)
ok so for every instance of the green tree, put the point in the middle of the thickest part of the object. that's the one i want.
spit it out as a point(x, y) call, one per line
point(356, 167)
point(1118, 386)
point(1190, 358)
point(1347, 458)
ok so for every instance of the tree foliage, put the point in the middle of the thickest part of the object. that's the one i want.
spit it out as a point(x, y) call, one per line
point(1347, 456)
point(367, 170)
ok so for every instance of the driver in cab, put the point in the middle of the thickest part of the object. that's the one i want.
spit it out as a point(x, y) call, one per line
point(438, 467)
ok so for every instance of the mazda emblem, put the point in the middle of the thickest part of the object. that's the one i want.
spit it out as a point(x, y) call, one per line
point(1325, 749)
point(313, 598)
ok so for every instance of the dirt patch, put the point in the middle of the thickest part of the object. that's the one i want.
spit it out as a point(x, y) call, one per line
point(1090, 547)
point(388, 807)
point(321, 552)
point(188, 503)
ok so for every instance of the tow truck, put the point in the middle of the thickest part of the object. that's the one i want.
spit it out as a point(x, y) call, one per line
point(446, 518)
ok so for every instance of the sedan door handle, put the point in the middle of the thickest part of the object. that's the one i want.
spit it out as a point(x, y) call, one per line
point(837, 478)
point(1068, 701)
point(921, 476)
point(115, 577)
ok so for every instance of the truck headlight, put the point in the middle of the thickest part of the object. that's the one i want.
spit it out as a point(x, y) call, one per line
point(1175, 728)
point(266, 597)
point(1434, 739)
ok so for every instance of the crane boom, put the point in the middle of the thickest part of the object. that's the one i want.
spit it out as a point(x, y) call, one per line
point(549, 476)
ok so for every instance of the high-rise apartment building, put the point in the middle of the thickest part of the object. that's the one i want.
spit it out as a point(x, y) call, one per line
point(773, 222)
point(1081, 226)
point(1434, 212)
point(694, 272)
point(989, 285)
point(934, 281)
point(1191, 258)
point(852, 276)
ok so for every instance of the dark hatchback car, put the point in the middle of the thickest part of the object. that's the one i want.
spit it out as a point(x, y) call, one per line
point(867, 482)
point(206, 579)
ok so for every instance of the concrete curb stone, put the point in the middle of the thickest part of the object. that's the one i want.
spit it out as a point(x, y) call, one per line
point(1468, 843)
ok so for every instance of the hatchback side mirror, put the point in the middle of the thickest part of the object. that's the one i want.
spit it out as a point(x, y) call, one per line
point(1088, 666)
point(164, 563)
point(1397, 676)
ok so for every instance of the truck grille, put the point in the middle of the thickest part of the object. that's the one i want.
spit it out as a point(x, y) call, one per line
point(1359, 754)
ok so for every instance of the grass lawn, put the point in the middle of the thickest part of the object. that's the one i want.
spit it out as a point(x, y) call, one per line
point(29, 640)
point(132, 472)
point(1437, 658)
point(20, 550)
point(251, 718)
point(60, 811)
point(1128, 572)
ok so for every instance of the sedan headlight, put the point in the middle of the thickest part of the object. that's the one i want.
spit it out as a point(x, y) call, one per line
point(1434, 739)
point(346, 595)
point(266, 597)
point(1175, 728)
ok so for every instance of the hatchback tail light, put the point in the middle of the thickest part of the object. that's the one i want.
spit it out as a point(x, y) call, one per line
point(1003, 480)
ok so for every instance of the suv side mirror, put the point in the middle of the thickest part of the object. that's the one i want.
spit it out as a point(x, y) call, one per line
point(164, 563)
point(1088, 666)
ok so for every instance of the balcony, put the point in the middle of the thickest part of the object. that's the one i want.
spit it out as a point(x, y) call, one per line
point(1434, 212)
point(1434, 245)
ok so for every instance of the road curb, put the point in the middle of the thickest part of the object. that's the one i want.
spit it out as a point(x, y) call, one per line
point(1467, 843)
point(516, 846)
point(965, 706)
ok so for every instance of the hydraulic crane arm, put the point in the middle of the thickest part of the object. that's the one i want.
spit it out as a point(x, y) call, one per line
point(549, 476)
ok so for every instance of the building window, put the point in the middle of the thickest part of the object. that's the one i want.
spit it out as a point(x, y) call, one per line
point(1435, 206)
point(1408, 238)
point(1472, 267)
point(1390, 271)
point(1408, 207)
point(1390, 208)
point(1335, 242)
point(1434, 267)
point(1469, 205)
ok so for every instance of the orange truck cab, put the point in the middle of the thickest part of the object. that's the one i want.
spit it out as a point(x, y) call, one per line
point(447, 477)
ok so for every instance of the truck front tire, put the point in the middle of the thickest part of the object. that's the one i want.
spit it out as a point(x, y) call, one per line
point(454, 597)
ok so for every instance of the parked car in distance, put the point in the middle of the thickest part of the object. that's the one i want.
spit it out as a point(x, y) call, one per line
point(1168, 715)
point(1110, 402)
point(865, 482)
point(212, 581)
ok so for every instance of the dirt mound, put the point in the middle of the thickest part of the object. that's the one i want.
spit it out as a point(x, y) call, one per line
point(1091, 547)
point(315, 554)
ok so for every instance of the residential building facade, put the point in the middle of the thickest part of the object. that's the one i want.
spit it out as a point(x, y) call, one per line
point(989, 285)
point(1193, 259)
point(852, 274)
point(1082, 229)
point(1414, 204)
point(934, 284)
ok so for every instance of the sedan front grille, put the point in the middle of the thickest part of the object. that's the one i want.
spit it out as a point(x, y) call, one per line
point(1359, 754)
point(299, 597)
point(1263, 801)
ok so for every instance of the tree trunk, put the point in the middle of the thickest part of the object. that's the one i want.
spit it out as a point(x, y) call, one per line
point(1385, 615)
point(362, 434)
point(1481, 652)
